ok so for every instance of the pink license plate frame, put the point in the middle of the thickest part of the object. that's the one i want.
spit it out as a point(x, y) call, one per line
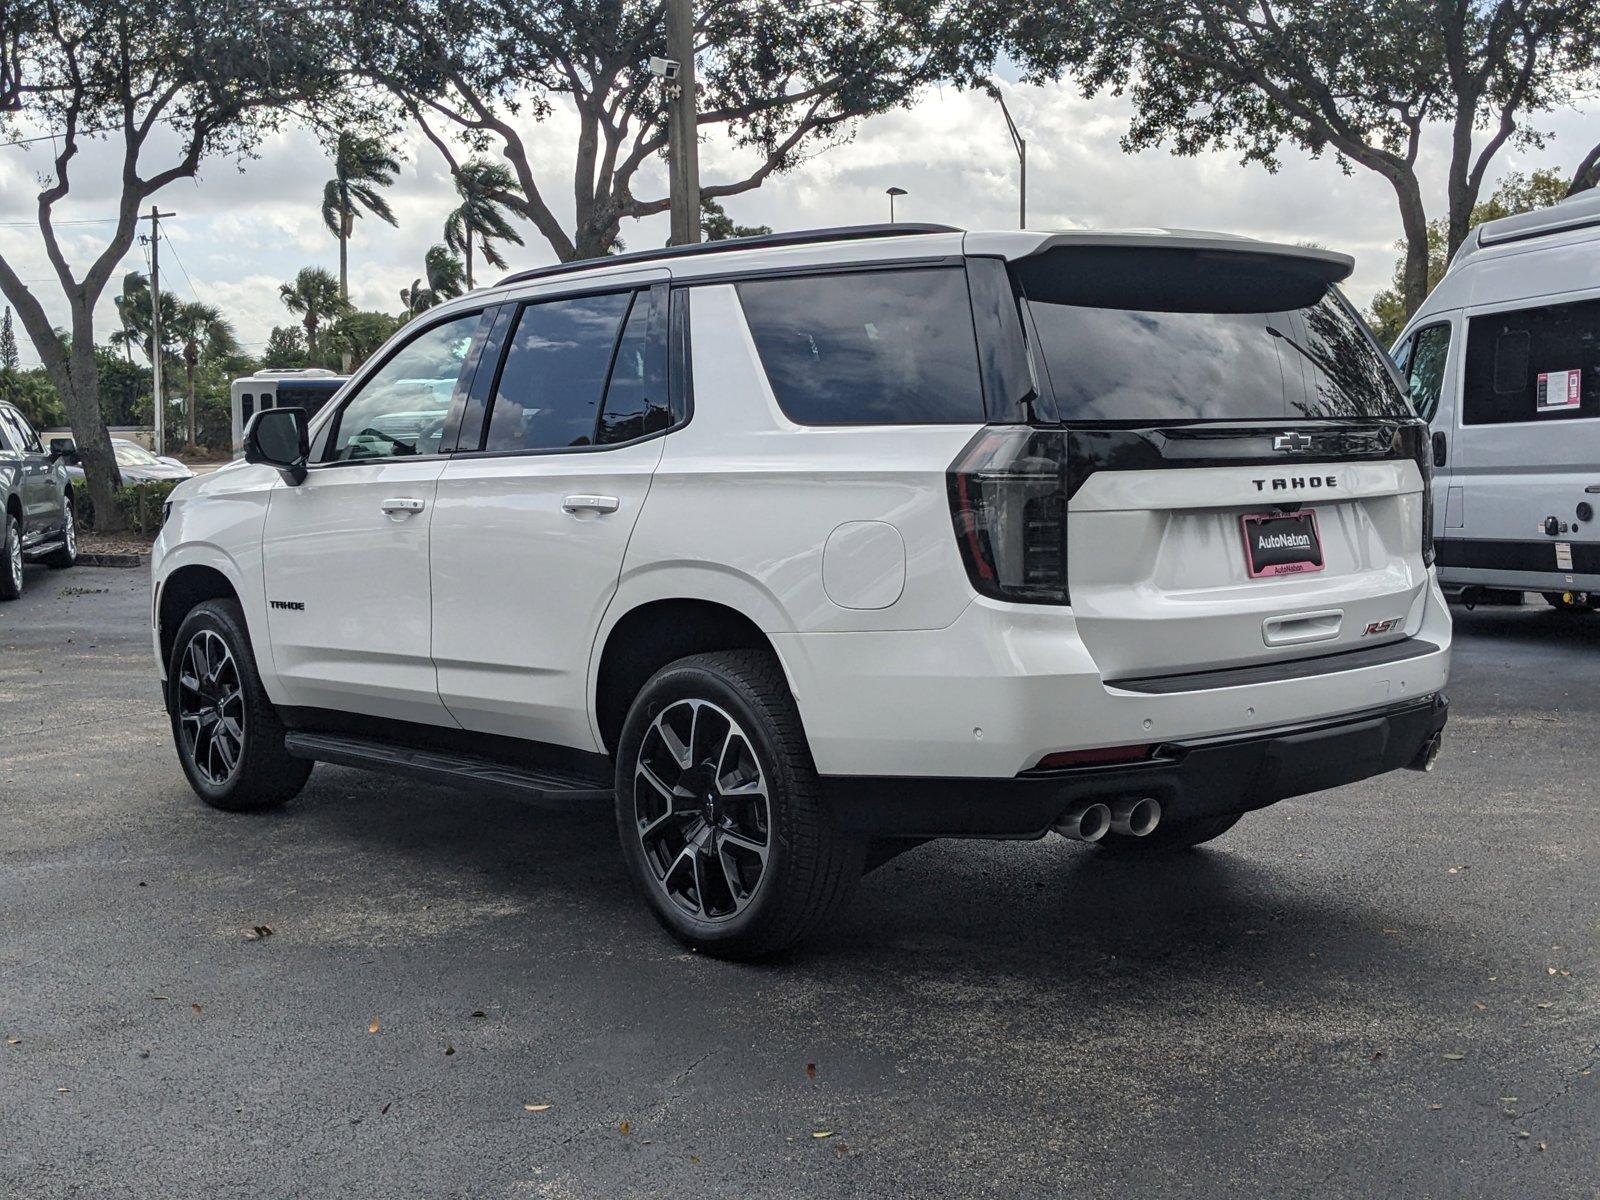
point(1305, 566)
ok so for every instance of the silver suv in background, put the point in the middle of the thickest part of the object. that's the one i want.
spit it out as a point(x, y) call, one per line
point(38, 503)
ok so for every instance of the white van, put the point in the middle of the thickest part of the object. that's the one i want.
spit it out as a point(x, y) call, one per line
point(1503, 361)
point(308, 388)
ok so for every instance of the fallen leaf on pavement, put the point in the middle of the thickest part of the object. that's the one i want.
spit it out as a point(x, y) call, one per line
point(823, 1133)
point(197, 1009)
point(811, 1070)
point(1453, 1057)
point(449, 1050)
point(1544, 1145)
point(536, 1107)
point(624, 1129)
point(479, 1013)
point(695, 1159)
point(384, 1109)
point(373, 1028)
point(13, 1041)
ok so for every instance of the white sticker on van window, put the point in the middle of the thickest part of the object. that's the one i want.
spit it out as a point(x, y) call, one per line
point(1559, 390)
point(1563, 556)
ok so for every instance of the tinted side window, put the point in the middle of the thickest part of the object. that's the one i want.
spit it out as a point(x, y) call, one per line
point(548, 397)
point(401, 408)
point(10, 439)
point(1539, 364)
point(869, 347)
point(30, 440)
point(1348, 375)
point(636, 397)
point(1427, 351)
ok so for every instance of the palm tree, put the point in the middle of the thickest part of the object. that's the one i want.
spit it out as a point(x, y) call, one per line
point(199, 329)
point(361, 166)
point(314, 297)
point(480, 183)
point(442, 280)
point(134, 311)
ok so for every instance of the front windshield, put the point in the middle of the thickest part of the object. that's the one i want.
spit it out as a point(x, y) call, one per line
point(130, 454)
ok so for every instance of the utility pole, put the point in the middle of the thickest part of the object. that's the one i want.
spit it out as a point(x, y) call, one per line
point(683, 126)
point(159, 405)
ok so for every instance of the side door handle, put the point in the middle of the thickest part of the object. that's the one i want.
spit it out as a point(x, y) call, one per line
point(1441, 448)
point(594, 504)
point(403, 505)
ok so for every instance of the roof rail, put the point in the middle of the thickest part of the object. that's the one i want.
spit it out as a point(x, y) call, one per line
point(1575, 212)
point(763, 241)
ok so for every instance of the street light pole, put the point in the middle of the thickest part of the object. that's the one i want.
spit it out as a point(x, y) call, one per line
point(683, 129)
point(892, 193)
point(1021, 144)
point(159, 406)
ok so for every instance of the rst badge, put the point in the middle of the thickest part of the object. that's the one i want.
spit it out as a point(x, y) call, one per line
point(1377, 627)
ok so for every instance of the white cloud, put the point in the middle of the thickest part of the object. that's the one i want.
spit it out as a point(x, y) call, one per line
point(245, 227)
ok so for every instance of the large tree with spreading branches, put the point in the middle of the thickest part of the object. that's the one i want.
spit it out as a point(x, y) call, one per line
point(159, 85)
point(781, 80)
point(1364, 80)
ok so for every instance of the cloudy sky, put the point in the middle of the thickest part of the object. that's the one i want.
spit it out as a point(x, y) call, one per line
point(241, 229)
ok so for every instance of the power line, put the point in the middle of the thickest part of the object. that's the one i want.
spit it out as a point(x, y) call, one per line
point(74, 221)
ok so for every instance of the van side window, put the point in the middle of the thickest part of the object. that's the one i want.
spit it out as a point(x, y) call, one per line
point(548, 397)
point(1425, 355)
point(868, 347)
point(1537, 364)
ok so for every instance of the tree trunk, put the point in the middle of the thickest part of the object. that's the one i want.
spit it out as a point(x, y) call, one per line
point(345, 223)
point(1414, 221)
point(469, 258)
point(311, 340)
point(74, 374)
point(188, 369)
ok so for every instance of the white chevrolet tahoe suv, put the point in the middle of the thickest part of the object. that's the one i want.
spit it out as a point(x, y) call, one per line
point(807, 548)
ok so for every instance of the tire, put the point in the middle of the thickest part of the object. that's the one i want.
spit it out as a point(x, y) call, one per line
point(11, 559)
point(720, 811)
point(1169, 837)
point(68, 554)
point(232, 751)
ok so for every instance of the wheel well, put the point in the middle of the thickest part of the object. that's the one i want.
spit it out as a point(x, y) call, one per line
point(14, 507)
point(655, 634)
point(181, 591)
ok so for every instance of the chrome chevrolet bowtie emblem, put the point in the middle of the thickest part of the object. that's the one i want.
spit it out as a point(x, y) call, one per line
point(1290, 442)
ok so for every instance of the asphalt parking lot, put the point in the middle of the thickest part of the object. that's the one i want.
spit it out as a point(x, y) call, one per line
point(1386, 990)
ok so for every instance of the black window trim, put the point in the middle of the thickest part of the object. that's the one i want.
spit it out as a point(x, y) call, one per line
point(658, 290)
point(324, 437)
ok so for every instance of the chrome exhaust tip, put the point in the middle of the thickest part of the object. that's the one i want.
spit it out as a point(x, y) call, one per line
point(1136, 816)
point(1428, 756)
point(1084, 822)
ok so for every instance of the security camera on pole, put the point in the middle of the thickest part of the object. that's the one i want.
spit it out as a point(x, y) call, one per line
point(677, 73)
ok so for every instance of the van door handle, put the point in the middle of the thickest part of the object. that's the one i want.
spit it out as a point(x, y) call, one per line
point(1441, 448)
point(404, 505)
point(594, 504)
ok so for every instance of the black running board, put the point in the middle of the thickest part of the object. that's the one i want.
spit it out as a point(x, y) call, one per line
point(430, 766)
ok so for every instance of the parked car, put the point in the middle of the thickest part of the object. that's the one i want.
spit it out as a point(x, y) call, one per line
point(37, 497)
point(1503, 360)
point(134, 463)
point(802, 549)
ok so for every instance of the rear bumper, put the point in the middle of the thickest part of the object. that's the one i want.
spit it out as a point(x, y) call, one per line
point(1201, 778)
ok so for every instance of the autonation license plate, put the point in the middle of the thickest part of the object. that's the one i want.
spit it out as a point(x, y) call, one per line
point(1282, 543)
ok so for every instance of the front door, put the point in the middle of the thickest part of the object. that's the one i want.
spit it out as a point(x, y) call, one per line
point(346, 551)
point(41, 494)
point(535, 509)
point(1425, 362)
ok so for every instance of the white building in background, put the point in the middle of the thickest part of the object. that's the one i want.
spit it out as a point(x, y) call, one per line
point(309, 389)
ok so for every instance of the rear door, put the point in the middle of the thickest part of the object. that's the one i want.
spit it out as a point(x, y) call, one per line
point(346, 551)
point(41, 490)
point(537, 504)
point(1429, 363)
point(1529, 444)
point(1245, 475)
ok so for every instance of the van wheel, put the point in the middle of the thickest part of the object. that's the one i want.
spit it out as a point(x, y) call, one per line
point(1170, 836)
point(10, 559)
point(720, 811)
point(229, 739)
point(68, 553)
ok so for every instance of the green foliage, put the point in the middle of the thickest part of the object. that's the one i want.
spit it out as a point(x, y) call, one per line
point(717, 226)
point(1516, 193)
point(141, 504)
point(362, 165)
point(124, 388)
point(359, 334)
point(33, 393)
point(10, 359)
point(313, 296)
point(444, 278)
point(485, 188)
point(286, 350)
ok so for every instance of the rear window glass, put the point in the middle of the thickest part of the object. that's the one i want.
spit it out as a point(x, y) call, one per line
point(1179, 336)
point(868, 347)
point(1539, 364)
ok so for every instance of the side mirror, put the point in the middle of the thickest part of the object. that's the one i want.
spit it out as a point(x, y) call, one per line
point(63, 448)
point(279, 437)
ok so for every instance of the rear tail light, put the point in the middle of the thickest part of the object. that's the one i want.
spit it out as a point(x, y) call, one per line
point(1008, 497)
point(1425, 465)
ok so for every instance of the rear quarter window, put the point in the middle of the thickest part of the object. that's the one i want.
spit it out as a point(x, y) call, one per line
point(892, 347)
point(1535, 364)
